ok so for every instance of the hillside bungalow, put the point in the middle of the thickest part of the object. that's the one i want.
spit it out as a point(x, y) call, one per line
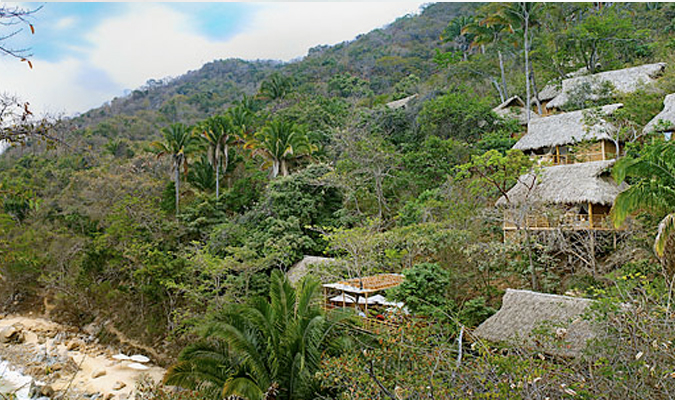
point(402, 103)
point(626, 80)
point(664, 122)
point(578, 136)
point(582, 195)
point(514, 108)
point(524, 311)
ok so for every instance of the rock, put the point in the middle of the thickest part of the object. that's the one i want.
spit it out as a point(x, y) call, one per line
point(122, 396)
point(109, 396)
point(11, 334)
point(98, 373)
point(74, 345)
point(119, 385)
point(47, 391)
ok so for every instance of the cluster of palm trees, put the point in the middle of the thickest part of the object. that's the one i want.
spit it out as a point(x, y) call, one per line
point(267, 349)
point(278, 143)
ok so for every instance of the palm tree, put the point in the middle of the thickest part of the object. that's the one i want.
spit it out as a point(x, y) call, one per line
point(518, 17)
point(201, 175)
point(276, 87)
point(280, 142)
point(265, 349)
point(218, 132)
point(177, 143)
point(652, 189)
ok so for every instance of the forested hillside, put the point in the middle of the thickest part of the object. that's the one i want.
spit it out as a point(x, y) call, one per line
point(179, 203)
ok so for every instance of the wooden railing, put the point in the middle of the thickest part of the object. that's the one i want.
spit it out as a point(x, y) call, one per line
point(565, 221)
point(562, 159)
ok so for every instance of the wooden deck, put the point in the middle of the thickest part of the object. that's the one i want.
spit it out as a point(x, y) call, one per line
point(566, 221)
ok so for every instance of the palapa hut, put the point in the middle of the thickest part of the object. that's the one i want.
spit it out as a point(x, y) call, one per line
point(402, 103)
point(626, 80)
point(524, 311)
point(664, 122)
point(583, 193)
point(300, 269)
point(577, 136)
point(358, 290)
point(514, 108)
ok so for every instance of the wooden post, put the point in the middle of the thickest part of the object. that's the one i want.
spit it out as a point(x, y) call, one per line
point(366, 306)
point(344, 299)
point(557, 155)
point(590, 214)
point(604, 157)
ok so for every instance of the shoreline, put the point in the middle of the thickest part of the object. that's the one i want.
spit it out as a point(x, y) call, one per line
point(66, 362)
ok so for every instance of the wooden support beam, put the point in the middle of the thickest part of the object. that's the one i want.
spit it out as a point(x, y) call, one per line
point(590, 214)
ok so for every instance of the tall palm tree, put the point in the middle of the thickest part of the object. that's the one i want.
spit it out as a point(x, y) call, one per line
point(218, 133)
point(177, 143)
point(518, 17)
point(277, 86)
point(652, 189)
point(266, 347)
point(280, 142)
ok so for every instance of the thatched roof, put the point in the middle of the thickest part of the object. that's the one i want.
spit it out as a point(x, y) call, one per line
point(514, 107)
point(523, 311)
point(566, 184)
point(401, 103)
point(665, 120)
point(367, 284)
point(301, 268)
point(625, 80)
point(567, 128)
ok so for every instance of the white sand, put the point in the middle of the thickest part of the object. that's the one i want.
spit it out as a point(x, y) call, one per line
point(90, 358)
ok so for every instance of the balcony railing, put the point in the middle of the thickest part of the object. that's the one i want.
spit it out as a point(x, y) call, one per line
point(565, 221)
point(562, 159)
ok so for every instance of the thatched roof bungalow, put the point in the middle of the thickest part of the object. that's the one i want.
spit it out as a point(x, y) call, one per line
point(523, 311)
point(300, 269)
point(567, 128)
point(664, 122)
point(402, 103)
point(514, 108)
point(626, 80)
point(566, 184)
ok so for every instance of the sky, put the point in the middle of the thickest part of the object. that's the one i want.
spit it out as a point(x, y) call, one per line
point(86, 53)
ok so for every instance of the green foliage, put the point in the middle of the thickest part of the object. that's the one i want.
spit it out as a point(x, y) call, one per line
point(345, 85)
point(425, 291)
point(267, 346)
point(456, 115)
point(652, 178)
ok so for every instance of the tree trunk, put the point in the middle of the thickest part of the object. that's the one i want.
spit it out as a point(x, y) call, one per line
point(284, 168)
point(505, 90)
point(227, 160)
point(217, 181)
point(177, 185)
point(526, 17)
point(275, 168)
point(536, 94)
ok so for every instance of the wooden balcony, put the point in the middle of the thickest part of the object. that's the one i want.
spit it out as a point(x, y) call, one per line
point(569, 221)
point(563, 159)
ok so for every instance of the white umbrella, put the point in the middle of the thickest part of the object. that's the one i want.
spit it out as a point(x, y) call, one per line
point(138, 367)
point(139, 358)
point(343, 298)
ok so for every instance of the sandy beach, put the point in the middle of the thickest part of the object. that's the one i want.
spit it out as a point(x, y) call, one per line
point(68, 363)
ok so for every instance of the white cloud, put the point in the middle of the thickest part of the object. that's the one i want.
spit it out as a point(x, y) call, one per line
point(152, 40)
point(65, 23)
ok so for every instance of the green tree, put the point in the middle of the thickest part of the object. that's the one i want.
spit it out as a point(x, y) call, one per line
point(652, 179)
point(279, 143)
point(177, 143)
point(218, 131)
point(276, 87)
point(268, 347)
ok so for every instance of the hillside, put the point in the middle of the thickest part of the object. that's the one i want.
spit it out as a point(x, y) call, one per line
point(171, 215)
